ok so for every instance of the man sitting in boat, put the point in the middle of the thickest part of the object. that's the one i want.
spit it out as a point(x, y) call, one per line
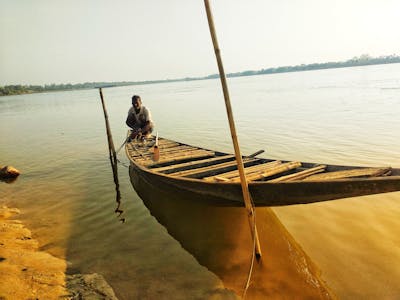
point(139, 119)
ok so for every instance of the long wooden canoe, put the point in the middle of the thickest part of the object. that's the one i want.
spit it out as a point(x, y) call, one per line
point(187, 169)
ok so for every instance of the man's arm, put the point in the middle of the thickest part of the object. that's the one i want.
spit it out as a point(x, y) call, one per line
point(130, 120)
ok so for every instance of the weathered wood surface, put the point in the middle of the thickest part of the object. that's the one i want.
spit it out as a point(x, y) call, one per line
point(299, 175)
point(280, 168)
point(232, 174)
point(272, 183)
point(178, 158)
point(372, 172)
point(204, 171)
point(193, 164)
point(148, 152)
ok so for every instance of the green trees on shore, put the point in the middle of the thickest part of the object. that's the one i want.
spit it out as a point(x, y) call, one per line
point(27, 89)
point(362, 60)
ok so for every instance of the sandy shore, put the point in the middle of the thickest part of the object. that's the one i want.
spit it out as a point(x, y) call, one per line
point(27, 273)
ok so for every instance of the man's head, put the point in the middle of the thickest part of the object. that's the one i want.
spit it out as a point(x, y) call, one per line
point(136, 102)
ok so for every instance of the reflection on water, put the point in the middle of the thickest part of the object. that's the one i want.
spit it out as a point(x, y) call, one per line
point(358, 238)
point(8, 180)
point(219, 238)
point(118, 210)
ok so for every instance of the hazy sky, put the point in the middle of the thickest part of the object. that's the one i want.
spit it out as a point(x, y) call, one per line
point(58, 41)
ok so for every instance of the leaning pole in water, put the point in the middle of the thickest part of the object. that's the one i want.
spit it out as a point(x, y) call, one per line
point(243, 180)
point(113, 155)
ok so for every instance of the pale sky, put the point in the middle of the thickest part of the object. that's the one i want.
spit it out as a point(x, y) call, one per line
point(76, 41)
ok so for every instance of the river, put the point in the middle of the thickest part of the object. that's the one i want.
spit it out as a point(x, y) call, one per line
point(67, 196)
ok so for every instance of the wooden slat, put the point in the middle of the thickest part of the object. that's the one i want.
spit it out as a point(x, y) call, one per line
point(247, 170)
point(258, 170)
point(210, 169)
point(139, 154)
point(173, 154)
point(299, 175)
point(220, 178)
point(183, 152)
point(180, 148)
point(272, 171)
point(181, 158)
point(193, 164)
point(372, 172)
point(187, 153)
point(165, 146)
point(135, 150)
point(169, 146)
point(162, 142)
point(150, 144)
point(149, 151)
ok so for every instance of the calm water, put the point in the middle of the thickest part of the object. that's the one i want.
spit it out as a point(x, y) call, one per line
point(66, 193)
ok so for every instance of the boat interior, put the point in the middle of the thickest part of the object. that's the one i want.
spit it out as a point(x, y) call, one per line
point(181, 160)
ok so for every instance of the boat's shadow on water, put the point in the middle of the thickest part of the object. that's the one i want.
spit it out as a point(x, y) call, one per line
point(219, 238)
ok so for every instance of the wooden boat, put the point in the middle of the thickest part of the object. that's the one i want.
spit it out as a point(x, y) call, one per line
point(189, 169)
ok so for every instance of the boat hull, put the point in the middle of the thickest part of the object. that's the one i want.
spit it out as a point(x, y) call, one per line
point(270, 194)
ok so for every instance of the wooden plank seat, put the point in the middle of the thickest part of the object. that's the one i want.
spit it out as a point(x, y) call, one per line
point(359, 172)
point(280, 168)
point(165, 152)
point(171, 146)
point(213, 169)
point(235, 173)
point(172, 150)
point(178, 158)
point(193, 164)
point(149, 155)
point(299, 175)
point(162, 141)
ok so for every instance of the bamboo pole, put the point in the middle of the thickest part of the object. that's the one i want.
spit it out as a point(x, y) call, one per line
point(113, 156)
point(243, 181)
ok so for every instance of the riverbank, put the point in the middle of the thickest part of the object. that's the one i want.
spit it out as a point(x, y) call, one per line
point(361, 61)
point(27, 273)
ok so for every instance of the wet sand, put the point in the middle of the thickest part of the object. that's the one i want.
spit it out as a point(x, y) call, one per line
point(26, 273)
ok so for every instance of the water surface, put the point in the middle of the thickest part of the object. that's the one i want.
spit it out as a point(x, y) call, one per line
point(67, 197)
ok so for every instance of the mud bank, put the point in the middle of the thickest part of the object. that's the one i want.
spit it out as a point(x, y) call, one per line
point(27, 273)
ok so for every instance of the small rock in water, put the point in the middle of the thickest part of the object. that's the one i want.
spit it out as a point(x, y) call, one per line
point(9, 172)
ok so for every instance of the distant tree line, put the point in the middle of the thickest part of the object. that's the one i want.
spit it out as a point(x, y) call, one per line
point(26, 89)
point(362, 60)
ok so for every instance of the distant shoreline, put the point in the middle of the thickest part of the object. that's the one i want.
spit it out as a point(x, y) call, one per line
point(363, 60)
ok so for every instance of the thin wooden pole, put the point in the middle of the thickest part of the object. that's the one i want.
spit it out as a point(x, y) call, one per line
point(111, 148)
point(113, 156)
point(243, 180)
